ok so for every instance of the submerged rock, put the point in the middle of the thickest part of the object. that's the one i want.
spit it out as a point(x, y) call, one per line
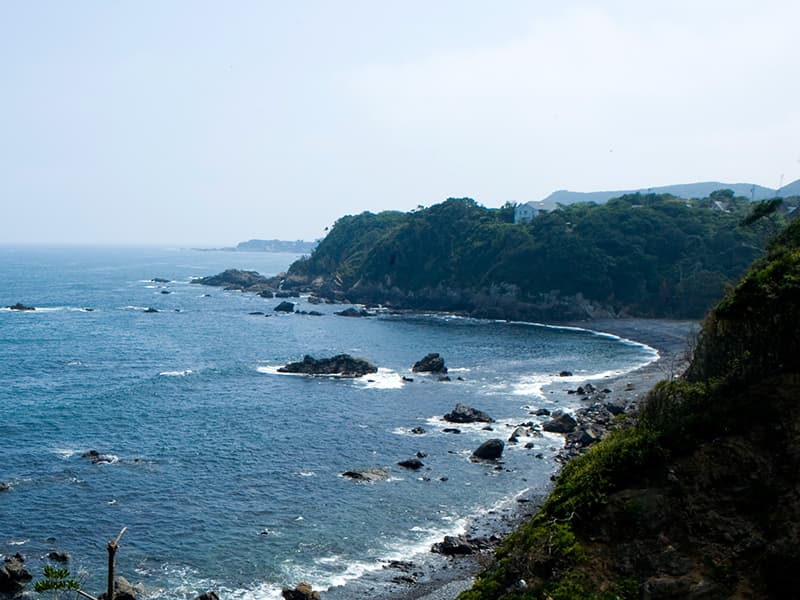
point(150, 309)
point(341, 364)
point(99, 459)
point(489, 450)
point(466, 414)
point(4, 487)
point(210, 595)
point(367, 475)
point(58, 556)
point(432, 363)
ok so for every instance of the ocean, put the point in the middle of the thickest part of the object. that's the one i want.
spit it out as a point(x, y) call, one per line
point(226, 473)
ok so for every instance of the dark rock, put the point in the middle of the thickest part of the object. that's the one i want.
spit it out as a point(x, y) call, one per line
point(451, 430)
point(341, 364)
point(208, 596)
point(123, 590)
point(315, 313)
point(13, 575)
point(408, 379)
point(20, 306)
point(487, 428)
point(367, 475)
point(529, 446)
point(160, 280)
point(615, 408)
point(489, 450)
point(266, 294)
point(418, 430)
point(453, 545)
point(58, 556)
point(314, 300)
point(256, 312)
point(412, 463)
point(285, 306)
point(565, 374)
point(150, 309)
point(287, 294)
point(432, 363)
point(166, 292)
point(97, 459)
point(542, 412)
point(465, 414)
point(560, 423)
point(233, 279)
point(444, 378)
point(354, 312)
point(583, 437)
point(4, 487)
point(303, 591)
point(422, 454)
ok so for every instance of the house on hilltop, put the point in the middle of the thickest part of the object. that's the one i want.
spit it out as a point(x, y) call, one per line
point(528, 211)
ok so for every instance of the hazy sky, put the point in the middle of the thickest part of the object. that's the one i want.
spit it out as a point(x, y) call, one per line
point(189, 122)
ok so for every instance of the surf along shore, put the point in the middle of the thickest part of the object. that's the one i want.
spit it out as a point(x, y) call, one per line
point(439, 577)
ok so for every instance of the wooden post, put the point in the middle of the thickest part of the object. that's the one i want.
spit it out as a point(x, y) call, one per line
point(113, 545)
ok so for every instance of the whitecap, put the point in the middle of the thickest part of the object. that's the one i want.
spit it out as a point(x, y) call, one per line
point(176, 373)
point(65, 453)
point(18, 542)
point(307, 474)
point(384, 379)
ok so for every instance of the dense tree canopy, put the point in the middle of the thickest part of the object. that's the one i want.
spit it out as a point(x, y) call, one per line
point(646, 254)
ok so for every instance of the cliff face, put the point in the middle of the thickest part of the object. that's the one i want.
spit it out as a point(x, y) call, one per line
point(699, 496)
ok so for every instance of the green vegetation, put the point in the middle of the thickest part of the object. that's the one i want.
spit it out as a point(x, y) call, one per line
point(645, 254)
point(729, 428)
point(55, 581)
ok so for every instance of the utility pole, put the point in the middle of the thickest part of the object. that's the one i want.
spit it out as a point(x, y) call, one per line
point(113, 545)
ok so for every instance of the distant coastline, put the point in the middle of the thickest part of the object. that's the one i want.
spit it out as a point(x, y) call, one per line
point(285, 246)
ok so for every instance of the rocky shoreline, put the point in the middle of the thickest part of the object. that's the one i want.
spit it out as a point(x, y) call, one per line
point(437, 576)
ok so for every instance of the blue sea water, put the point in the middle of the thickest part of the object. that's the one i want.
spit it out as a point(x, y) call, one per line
point(226, 473)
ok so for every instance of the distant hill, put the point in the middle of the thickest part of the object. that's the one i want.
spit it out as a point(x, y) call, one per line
point(295, 247)
point(683, 190)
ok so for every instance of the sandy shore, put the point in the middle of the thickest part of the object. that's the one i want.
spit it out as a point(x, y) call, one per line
point(436, 577)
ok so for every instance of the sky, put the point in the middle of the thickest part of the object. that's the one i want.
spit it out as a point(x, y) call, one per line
point(208, 123)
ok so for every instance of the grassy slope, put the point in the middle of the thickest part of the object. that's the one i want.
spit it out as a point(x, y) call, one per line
point(699, 498)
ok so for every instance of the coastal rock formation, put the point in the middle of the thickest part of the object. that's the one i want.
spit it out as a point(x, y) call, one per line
point(234, 278)
point(150, 309)
point(343, 365)
point(354, 312)
point(413, 464)
point(367, 475)
point(123, 590)
point(453, 545)
point(489, 450)
point(13, 575)
point(560, 422)
point(466, 414)
point(210, 595)
point(20, 306)
point(303, 591)
point(4, 487)
point(58, 556)
point(97, 458)
point(285, 306)
point(160, 280)
point(432, 363)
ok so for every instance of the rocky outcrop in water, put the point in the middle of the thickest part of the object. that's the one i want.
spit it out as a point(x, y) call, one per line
point(489, 450)
point(414, 464)
point(341, 364)
point(285, 306)
point(13, 575)
point(123, 590)
point(432, 363)
point(20, 306)
point(354, 312)
point(303, 591)
point(96, 458)
point(560, 422)
point(466, 414)
point(234, 279)
point(367, 475)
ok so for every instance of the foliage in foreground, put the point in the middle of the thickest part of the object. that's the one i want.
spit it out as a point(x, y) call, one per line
point(749, 341)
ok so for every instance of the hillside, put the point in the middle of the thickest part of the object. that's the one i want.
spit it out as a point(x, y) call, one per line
point(702, 189)
point(699, 495)
point(644, 255)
